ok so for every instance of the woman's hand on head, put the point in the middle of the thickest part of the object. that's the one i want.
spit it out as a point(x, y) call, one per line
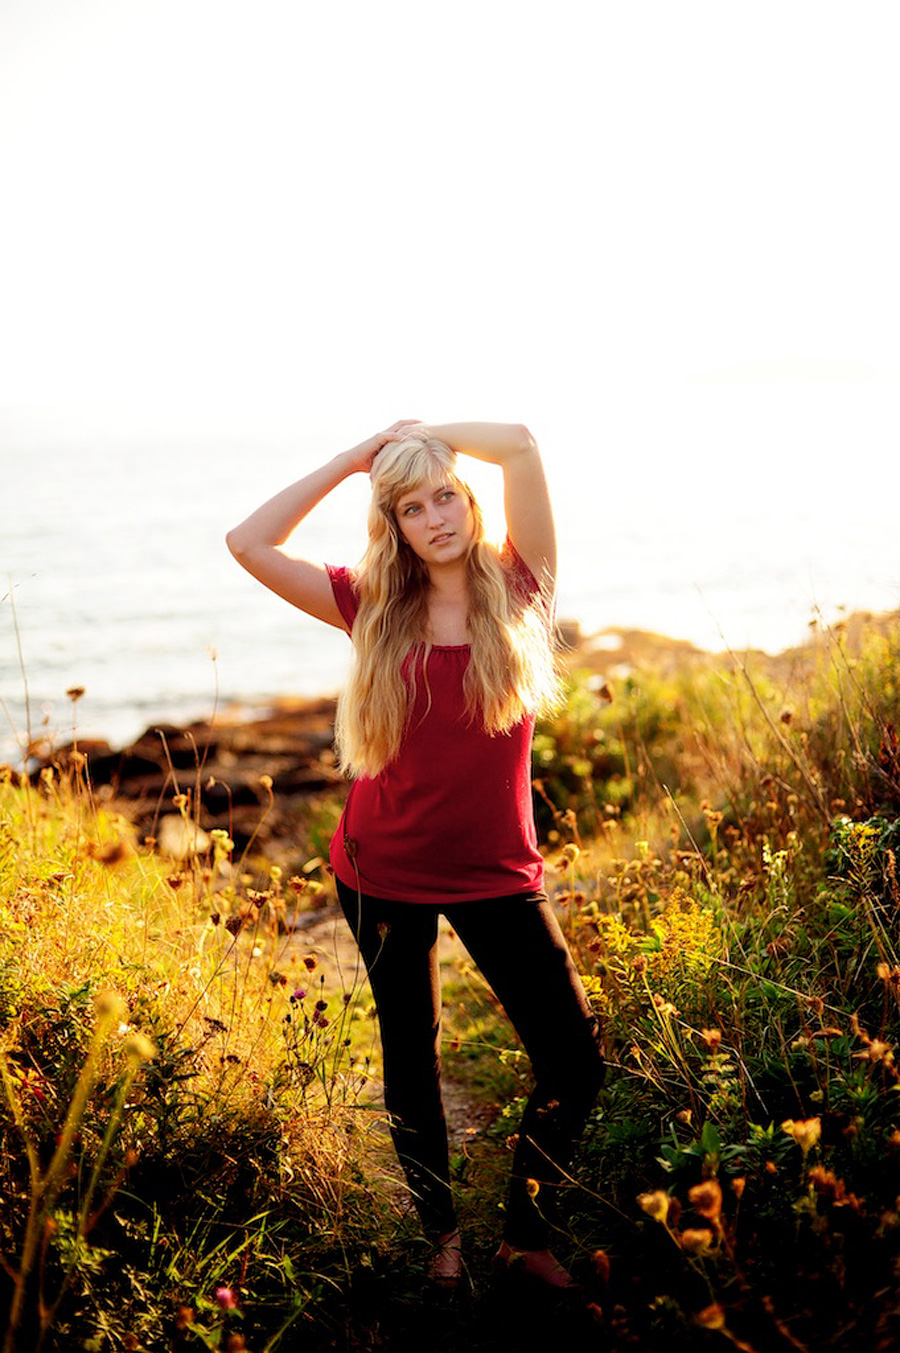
point(364, 455)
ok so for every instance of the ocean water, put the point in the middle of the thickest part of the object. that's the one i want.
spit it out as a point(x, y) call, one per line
point(114, 576)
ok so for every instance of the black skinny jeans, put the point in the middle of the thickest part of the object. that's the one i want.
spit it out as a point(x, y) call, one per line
point(519, 947)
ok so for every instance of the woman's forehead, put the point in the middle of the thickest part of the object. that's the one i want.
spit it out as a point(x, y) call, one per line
point(432, 484)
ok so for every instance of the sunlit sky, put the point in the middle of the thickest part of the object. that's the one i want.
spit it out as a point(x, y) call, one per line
point(662, 234)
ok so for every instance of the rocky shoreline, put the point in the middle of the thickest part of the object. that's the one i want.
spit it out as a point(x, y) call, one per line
point(261, 777)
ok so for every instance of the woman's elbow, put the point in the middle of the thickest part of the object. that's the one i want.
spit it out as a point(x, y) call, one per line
point(235, 544)
point(525, 439)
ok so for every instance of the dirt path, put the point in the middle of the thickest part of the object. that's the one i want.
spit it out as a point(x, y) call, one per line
point(326, 935)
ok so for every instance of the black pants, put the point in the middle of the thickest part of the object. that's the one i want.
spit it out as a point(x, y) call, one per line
point(519, 947)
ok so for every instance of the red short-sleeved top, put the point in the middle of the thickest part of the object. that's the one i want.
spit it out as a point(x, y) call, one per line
point(451, 819)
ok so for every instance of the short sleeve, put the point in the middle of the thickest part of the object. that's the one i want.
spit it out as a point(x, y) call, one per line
point(346, 597)
point(523, 582)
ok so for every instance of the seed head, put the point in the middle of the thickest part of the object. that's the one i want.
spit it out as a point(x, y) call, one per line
point(711, 1318)
point(655, 1204)
point(138, 1048)
point(110, 1005)
point(706, 1198)
point(696, 1240)
point(805, 1133)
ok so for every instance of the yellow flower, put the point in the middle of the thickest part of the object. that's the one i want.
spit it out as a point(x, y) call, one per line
point(712, 1038)
point(110, 1005)
point(696, 1241)
point(706, 1198)
point(655, 1204)
point(138, 1049)
point(805, 1133)
point(532, 1188)
point(711, 1318)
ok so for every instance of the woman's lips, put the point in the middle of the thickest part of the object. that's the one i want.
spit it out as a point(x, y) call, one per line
point(443, 538)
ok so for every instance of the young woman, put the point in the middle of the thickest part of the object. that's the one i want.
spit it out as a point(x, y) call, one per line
point(452, 660)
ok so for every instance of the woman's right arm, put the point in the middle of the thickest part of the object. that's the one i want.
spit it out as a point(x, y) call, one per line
point(256, 543)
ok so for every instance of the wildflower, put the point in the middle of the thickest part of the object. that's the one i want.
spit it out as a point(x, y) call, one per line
point(737, 1187)
point(234, 924)
point(298, 995)
point(225, 1298)
point(711, 1318)
point(180, 801)
point(75, 693)
point(110, 1005)
point(706, 1198)
point(256, 951)
point(877, 1051)
point(139, 1049)
point(384, 929)
point(713, 817)
point(266, 782)
point(805, 1133)
point(310, 962)
point(712, 1038)
point(321, 1005)
point(532, 1188)
point(696, 1241)
point(570, 854)
point(655, 1204)
point(600, 1260)
point(684, 1117)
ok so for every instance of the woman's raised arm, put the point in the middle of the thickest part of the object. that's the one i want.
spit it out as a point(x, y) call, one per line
point(256, 543)
point(529, 515)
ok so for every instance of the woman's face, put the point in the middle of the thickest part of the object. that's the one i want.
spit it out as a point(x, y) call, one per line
point(436, 521)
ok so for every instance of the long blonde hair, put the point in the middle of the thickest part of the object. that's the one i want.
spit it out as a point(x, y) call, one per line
point(511, 670)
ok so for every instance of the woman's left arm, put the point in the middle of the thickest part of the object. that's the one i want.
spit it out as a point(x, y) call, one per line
point(529, 516)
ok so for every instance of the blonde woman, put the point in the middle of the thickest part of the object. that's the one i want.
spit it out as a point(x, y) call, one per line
point(452, 661)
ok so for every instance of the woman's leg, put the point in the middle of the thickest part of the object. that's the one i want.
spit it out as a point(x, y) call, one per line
point(520, 949)
point(398, 942)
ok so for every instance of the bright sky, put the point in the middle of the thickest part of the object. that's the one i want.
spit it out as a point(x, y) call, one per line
point(663, 234)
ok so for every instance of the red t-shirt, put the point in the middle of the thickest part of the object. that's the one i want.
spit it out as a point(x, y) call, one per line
point(451, 819)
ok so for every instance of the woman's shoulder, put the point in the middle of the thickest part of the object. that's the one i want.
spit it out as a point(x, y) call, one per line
point(518, 574)
point(345, 587)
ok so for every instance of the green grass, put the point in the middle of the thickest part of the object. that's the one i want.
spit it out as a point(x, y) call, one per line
point(722, 843)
